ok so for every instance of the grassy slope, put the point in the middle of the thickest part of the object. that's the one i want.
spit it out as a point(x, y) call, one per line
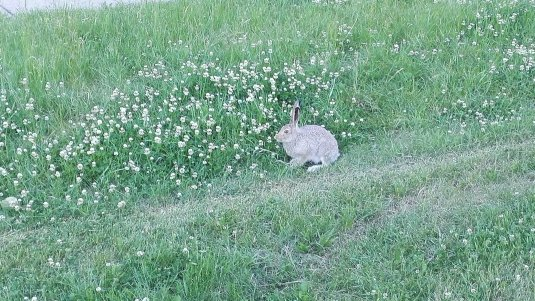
point(413, 213)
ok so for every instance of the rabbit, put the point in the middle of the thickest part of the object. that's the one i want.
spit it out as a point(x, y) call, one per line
point(309, 143)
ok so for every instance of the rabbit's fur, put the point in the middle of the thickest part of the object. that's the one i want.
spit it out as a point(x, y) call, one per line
point(309, 143)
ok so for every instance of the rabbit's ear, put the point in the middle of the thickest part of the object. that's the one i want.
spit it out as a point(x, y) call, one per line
point(295, 114)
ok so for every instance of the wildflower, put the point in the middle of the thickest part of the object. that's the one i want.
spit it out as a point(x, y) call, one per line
point(10, 202)
point(121, 204)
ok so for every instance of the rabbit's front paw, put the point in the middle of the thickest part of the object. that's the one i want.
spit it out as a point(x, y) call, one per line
point(313, 168)
point(295, 162)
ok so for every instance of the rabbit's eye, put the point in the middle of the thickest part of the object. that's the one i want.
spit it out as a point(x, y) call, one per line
point(286, 131)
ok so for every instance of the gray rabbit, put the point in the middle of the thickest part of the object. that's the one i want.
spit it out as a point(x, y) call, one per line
point(309, 143)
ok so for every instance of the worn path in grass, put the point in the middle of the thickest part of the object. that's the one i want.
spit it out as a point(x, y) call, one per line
point(295, 229)
point(352, 170)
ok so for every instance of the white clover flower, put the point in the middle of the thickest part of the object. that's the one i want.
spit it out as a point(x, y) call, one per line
point(3, 172)
point(121, 204)
point(140, 253)
point(10, 202)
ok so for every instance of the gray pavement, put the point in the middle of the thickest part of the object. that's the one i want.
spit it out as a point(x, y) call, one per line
point(11, 7)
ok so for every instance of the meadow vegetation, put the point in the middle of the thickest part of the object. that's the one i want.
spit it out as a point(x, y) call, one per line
point(137, 158)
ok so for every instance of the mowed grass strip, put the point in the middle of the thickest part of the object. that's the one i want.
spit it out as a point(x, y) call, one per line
point(455, 225)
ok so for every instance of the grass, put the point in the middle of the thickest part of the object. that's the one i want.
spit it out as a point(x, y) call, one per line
point(364, 229)
point(138, 143)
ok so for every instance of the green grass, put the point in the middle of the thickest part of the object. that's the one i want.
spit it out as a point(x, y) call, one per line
point(365, 228)
point(138, 141)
